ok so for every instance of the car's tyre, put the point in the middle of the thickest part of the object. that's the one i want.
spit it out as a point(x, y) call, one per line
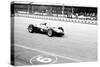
point(31, 28)
point(50, 32)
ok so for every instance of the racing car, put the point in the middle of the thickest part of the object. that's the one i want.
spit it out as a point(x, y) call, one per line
point(45, 28)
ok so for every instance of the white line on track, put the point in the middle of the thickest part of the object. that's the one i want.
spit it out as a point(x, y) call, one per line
point(45, 52)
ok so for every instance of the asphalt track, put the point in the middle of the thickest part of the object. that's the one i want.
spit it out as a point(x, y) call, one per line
point(79, 44)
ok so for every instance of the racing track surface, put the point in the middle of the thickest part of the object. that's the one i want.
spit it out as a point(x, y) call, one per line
point(79, 44)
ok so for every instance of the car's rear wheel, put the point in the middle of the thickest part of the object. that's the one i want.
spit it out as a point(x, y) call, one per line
point(30, 28)
point(50, 33)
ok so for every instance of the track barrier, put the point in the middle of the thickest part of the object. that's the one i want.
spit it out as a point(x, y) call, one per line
point(92, 22)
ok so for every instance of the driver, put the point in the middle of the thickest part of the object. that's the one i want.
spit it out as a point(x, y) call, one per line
point(43, 25)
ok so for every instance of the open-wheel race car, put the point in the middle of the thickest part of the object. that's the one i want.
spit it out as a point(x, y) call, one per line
point(45, 28)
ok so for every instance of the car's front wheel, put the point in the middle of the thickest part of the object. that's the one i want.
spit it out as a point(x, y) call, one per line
point(50, 33)
point(30, 28)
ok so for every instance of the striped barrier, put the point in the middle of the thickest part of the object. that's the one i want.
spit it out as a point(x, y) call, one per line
point(93, 22)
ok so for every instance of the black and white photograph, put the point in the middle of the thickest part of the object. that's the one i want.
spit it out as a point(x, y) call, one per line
point(52, 33)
